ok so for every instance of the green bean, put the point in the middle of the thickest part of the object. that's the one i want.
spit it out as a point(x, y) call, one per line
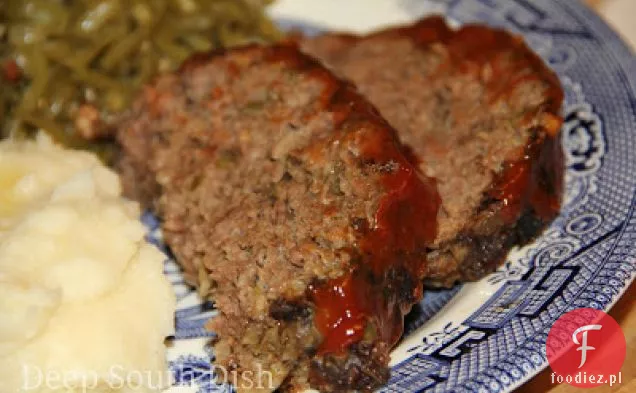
point(20, 35)
point(119, 51)
point(229, 36)
point(193, 23)
point(99, 43)
point(61, 94)
point(49, 15)
point(48, 124)
point(96, 79)
point(198, 42)
point(143, 14)
point(38, 66)
point(186, 6)
point(165, 42)
point(147, 68)
point(116, 100)
point(159, 7)
point(97, 16)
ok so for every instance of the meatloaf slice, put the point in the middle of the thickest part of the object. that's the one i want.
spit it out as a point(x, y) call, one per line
point(289, 202)
point(481, 113)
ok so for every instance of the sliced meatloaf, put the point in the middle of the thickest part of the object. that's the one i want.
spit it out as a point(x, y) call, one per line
point(289, 202)
point(480, 112)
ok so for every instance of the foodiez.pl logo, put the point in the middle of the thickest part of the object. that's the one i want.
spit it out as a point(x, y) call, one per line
point(586, 348)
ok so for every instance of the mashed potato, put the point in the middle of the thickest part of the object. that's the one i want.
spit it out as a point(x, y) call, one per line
point(83, 301)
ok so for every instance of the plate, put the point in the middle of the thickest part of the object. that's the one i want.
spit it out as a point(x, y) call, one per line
point(489, 336)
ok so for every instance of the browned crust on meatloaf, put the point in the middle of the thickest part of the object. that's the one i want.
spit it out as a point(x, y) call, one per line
point(480, 111)
point(289, 202)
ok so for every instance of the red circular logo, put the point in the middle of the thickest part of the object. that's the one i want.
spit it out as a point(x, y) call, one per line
point(586, 348)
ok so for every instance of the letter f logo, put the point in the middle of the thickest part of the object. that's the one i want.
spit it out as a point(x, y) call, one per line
point(583, 345)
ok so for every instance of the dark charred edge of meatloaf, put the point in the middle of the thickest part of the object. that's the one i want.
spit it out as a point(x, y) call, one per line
point(484, 247)
point(364, 366)
point(333, 373)
point(393, 289)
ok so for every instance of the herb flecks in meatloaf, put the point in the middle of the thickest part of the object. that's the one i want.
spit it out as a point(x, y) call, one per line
point(480, 112)
point(289, 202)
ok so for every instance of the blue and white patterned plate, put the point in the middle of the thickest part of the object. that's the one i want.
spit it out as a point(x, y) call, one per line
point(489, 336)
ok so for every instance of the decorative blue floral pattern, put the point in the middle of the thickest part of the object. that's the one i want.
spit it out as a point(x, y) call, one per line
point(197, 373)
